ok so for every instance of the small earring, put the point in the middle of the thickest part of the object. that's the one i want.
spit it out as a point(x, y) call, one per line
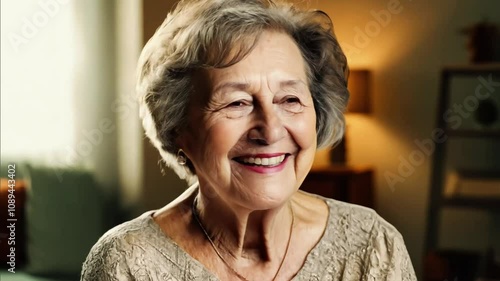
point(181, 157)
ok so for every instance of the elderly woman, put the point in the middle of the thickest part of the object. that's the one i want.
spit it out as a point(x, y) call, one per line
point(237, 95)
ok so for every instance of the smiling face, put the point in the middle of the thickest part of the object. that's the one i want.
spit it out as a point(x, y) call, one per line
point(251, 134)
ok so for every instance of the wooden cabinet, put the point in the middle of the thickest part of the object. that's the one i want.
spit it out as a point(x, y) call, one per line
point(352, 184)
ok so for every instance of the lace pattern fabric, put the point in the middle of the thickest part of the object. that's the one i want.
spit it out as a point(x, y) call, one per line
point(357, 245)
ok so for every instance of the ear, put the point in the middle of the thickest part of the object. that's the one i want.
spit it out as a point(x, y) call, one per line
point(182, 141)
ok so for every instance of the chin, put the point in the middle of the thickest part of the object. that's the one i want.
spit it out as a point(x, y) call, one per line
point(268, 196)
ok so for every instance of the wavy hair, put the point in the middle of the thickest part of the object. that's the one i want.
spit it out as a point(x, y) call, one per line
point(201, 34)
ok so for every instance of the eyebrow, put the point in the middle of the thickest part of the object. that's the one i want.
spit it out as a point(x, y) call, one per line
point(241, 86)
point(232, 85)
point(292, 83)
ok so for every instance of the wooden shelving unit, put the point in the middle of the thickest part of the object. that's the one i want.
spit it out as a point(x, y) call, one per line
point(437, 201)
point(473, 203)
point(473, 133)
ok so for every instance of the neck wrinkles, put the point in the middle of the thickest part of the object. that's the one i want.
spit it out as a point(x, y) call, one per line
point(245, 236)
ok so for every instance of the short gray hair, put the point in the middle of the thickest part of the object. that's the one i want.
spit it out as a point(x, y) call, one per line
point(201, 34)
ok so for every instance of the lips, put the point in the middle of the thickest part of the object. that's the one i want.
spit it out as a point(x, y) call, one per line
point(262, 161)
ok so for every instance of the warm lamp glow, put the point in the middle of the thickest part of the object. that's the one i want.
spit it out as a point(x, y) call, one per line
point(359, 86)
point(359, 89)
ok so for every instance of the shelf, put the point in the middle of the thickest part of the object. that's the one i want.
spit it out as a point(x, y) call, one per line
point(474, 133)
point(472, 69)
point(488, 71)
point(473, 203)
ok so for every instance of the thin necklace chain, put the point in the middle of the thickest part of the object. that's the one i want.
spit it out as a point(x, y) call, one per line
point(196, 217)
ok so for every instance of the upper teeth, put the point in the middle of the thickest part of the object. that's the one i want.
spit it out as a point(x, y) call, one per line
point(264, 161)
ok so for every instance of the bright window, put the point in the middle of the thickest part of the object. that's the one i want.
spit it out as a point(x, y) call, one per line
point(37, 78)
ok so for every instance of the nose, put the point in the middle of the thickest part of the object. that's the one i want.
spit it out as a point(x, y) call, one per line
point(268, 127)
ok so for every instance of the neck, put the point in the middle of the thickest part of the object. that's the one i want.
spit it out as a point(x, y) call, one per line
point(247, 236)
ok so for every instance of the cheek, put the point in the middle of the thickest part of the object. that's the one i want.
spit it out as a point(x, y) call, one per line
point(215, 140)
point(303, 130)
point(214, 164)
point(223, 136)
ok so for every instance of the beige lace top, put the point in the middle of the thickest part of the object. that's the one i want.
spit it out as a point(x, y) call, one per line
point(357, 245)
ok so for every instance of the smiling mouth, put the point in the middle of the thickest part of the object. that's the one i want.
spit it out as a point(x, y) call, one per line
point(262, 161)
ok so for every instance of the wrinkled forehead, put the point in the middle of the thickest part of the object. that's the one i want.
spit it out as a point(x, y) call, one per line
point(275, 59)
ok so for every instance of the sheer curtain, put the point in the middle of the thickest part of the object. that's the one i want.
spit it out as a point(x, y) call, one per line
point(95, 89)
point(38, 62)
point(58, 85)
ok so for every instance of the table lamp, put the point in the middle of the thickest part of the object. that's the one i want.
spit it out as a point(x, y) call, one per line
point(359, 86)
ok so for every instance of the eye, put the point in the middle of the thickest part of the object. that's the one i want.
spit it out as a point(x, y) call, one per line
point(292, 100)
point(238, 109)
point(239, 103)
point(292, 104)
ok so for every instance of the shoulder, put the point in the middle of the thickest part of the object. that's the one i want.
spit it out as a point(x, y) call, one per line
point(109, 257)
point(350, 224)
point(360, 221)
point(372, 240)
point(127, 233)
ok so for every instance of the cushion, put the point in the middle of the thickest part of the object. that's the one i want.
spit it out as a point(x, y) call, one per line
point(65, 217)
